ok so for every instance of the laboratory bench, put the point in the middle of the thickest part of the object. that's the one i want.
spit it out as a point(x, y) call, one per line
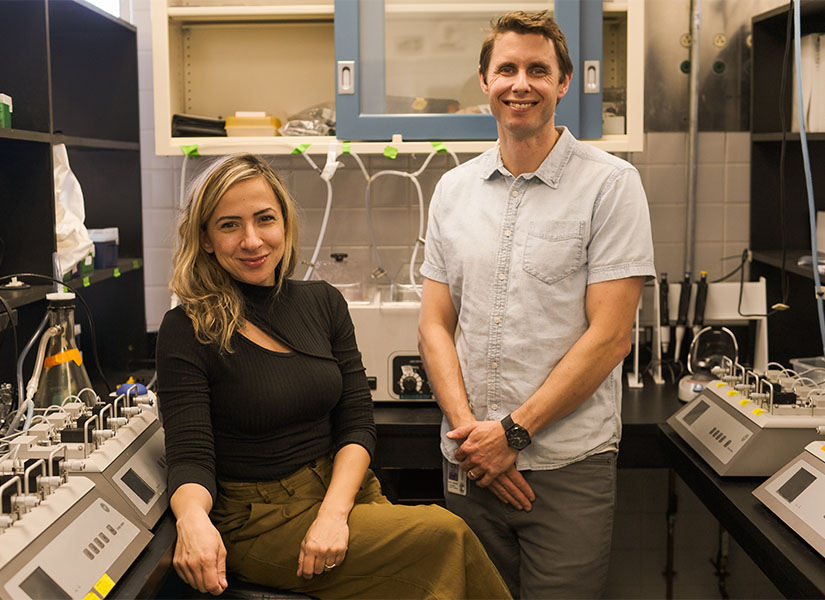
point(408, 461)
point(794, 567)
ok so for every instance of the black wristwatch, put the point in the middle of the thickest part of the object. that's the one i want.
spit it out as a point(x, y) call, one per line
point(517, 436)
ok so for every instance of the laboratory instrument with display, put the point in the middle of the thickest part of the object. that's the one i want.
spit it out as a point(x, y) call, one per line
point(796, 494)
point(749, 424)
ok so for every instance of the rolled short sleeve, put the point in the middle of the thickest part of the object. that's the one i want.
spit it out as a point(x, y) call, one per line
point(620, 243)
point(434, 266)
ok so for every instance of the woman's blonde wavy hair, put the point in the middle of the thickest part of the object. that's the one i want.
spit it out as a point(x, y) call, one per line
point(206, 291)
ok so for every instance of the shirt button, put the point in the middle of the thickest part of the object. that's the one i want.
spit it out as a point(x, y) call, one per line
point(501, 276)
point(494, 406)
point(514, 194)
point(494, 365)
point(507, 233)
point(496, 320)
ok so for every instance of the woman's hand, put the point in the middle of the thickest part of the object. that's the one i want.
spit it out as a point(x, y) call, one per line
point(200, 556)
point(324, 546)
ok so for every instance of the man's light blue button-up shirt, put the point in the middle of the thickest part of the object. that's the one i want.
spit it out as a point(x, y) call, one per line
point(518, 254)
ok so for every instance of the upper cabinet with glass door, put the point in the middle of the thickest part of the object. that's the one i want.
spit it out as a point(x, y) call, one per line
point(394, 70)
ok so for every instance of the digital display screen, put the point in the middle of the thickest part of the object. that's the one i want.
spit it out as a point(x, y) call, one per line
point(797, 484)
point(39, 585)
point(696, 412)
point(138, 485)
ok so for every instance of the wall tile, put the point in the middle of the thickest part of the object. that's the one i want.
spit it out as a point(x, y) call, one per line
point(737, 184)
point(157, 303)
point(307, 189)
point(738, 147)
point(710, 183)
point(710, 223)
point(142, 20)
point(159, 188)
point(146, 104)
point(148, 159)
point(145, 70)
point(640, 158)
point(737, 223)
point(669, 258)
point(392, 190)
point(668, 223)
point(348, 186)
point(666, 148)
point(158, 266)
point(666, 184)
point(158, 227)
point(708, 258)
point(711, 147)
point(731, 257)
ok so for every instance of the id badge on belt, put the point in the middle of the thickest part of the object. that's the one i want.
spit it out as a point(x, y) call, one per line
point(456, 479)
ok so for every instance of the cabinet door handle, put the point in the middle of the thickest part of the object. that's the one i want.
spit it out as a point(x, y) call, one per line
point(592, 77)
point(346, 76)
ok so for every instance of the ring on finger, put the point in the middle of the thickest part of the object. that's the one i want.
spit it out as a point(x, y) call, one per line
point(472, 475)
point(329, 567)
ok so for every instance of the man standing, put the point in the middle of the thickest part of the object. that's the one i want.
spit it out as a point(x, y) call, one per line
point(536, 254)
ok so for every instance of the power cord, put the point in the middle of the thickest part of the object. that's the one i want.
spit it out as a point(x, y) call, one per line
point(8, 311)
point(88, 316)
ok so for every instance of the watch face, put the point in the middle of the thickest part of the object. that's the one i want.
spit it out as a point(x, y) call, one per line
point(518, 437)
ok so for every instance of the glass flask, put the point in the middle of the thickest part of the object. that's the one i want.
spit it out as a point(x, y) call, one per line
point(63, 372)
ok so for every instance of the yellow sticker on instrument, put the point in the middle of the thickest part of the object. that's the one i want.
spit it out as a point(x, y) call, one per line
point(744, 402)
point(720, 384)
point(91, 596)
point(757, 411)
point(104, 585)
point(733, 393)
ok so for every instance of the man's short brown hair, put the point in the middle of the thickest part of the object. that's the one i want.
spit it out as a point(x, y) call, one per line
point(522, 22)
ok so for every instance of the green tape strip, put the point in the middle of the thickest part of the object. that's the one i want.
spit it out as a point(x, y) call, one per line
point(345, 147)
point(190, 150)
point(86, 282)
point(136, 264)
point(116, 272)
point(300, 149)
point(390, 152)
point(439, 146)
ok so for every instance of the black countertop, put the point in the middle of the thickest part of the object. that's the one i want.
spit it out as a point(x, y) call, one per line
point(796, 569)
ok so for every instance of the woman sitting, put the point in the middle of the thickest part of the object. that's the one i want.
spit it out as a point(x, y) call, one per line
point(268, 419)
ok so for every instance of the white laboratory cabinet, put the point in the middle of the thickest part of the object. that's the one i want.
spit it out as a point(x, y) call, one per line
point(212, 58)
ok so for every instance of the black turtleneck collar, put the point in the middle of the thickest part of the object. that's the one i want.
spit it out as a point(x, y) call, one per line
point(256, 294)
point(290, 315)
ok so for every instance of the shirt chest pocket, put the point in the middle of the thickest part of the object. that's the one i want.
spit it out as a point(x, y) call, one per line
point(554, 249)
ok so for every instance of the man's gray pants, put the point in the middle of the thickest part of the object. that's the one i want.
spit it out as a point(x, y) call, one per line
point(561, 548)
